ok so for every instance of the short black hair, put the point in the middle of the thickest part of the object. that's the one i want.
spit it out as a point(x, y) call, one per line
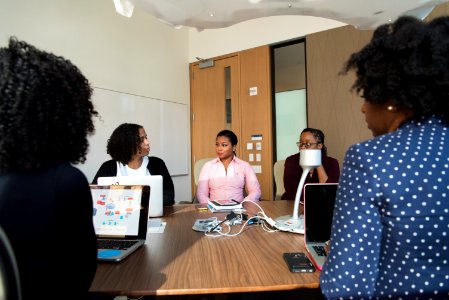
point(45, 109)
point(124, 142)
point(230, 135)
point(407, 63)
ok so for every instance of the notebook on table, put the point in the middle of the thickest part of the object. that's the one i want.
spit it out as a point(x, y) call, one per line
point(156, 208)
point(120, 215)
point(223, 205)
point(319, 201)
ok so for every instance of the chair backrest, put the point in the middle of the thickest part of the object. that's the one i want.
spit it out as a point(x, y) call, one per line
point(198, 166)
point(196, 173)
point(9, 272)
point(278, 170)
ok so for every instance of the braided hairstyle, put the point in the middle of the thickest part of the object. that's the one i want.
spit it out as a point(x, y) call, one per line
point(319, 135)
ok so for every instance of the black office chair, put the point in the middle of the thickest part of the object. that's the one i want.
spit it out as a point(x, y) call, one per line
point(9, 273)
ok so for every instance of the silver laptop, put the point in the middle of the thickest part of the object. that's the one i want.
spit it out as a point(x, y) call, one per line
point(154, 181)
point(319, 201)
point(120, 217)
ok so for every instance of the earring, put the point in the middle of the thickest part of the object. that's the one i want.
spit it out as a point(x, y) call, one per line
point(390, 107)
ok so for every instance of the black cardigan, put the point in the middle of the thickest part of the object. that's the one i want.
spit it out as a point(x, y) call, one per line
point(156, 166)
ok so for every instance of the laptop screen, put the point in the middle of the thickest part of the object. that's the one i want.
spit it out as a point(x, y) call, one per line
point(119, 211)
point(154, 181)
point(318, 211)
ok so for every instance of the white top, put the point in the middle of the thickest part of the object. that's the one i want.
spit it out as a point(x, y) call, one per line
point(124, 170)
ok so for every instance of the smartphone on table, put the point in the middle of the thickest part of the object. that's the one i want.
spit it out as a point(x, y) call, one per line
point(298, 262)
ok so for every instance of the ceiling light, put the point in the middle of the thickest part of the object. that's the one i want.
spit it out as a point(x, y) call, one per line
point(124, 7)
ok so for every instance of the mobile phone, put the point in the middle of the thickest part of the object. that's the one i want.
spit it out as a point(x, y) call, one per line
point(298, 262)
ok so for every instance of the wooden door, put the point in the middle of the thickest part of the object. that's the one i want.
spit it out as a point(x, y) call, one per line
point(255, 107)
point(211, 89)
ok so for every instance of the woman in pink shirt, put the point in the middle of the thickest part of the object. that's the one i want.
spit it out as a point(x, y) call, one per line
point(227, 176)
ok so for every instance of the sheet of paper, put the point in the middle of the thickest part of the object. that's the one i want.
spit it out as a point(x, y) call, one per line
point(253, 91)
point(156, 226)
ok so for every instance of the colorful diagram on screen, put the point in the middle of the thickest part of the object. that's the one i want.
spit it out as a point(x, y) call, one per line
point(116, 211)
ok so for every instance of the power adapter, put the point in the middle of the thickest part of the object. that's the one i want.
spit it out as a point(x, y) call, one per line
point(229, 217)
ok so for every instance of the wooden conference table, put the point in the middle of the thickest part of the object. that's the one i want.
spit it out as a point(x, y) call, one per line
point(182, 261)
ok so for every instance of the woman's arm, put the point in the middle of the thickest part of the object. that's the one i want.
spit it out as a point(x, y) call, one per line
point(292, 174)
point(157, 166)
point(252, 184)
point(332, 170)
point(351, 268)
point(72, 186)
point(322, 175)
point(107, 169)
point(202, 189)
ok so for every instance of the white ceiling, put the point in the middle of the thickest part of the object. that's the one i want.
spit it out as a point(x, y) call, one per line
point(207, 14)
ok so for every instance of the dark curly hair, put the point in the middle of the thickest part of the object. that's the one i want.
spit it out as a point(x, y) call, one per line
point(45, 109)
point(407, 63)
point(319, 135)
point(124, 142)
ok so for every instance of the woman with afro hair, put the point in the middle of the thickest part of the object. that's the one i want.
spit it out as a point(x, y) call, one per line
point(129, 147)
point(390, 233)
point(45, 203)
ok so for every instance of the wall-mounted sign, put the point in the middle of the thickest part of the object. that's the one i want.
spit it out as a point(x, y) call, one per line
point(256, 137)
point(253, 91)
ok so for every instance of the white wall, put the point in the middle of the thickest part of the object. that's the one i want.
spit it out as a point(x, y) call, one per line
point(140, 55)
point(253, 33)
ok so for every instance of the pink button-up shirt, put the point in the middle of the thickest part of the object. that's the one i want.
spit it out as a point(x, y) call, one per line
point(215, 183)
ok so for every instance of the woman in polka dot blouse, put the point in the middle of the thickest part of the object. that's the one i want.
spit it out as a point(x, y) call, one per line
point(390, 231)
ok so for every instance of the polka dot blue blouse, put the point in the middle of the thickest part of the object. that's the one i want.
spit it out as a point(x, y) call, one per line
point(390, 231)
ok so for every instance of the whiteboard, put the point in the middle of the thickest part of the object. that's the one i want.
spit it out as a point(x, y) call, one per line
point(166, 124)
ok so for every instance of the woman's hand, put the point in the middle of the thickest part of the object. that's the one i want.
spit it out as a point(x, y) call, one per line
point(327, 247)
point(322, 175)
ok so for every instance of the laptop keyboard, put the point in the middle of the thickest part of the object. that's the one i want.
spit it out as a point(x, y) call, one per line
point(320, 250)
point(116, 245)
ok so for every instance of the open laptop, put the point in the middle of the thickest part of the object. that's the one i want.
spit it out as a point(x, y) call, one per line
point(154, 181)
point(120, 216)
point(319, 201)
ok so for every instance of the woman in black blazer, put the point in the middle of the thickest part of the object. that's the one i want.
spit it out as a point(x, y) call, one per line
point(129, 148)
